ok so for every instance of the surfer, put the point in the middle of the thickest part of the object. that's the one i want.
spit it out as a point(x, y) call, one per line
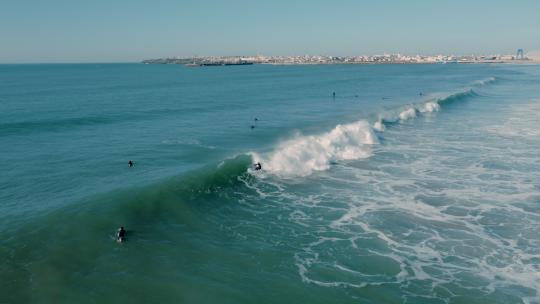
point(257, 166)
point(334, 95)
point(121, 235)
point(130, 163)
point(254, 123)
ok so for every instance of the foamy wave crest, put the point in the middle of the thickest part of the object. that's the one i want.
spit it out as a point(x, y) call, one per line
point(379, 125)
point(430, 107)
point(407, 114)
point(434, 105)
point(305, 154)
point(482, 82)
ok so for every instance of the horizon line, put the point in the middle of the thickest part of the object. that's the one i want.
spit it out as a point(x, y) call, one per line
point(69, 62)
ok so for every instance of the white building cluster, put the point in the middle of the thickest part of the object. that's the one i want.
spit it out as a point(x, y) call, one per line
point(385, 58)
point(318, 59)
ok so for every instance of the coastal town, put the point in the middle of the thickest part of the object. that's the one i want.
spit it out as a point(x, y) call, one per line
point(362, 59)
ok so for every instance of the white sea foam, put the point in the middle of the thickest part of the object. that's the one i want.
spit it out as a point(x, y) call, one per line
point(379, 126)
point(428, 217)
point(407, 114)
point(425, 237)
point(302, 155)
point(522, 122)
point(430, 107)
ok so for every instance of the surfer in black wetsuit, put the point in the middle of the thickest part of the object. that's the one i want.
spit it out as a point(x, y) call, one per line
point(121, 235)
point(257, 166)
point(130, 163)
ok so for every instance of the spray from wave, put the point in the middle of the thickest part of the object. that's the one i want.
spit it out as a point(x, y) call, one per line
point(430, 107)
point(407, 114)
point(304, 154)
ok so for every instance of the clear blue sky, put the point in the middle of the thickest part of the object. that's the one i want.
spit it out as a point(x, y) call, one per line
point(132, 30)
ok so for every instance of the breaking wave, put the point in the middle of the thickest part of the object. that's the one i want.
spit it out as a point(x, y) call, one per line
point(408, 112)
point(303, 155)
point(486, 81)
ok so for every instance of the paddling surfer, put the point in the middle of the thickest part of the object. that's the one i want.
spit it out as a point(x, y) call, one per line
point(121, 235)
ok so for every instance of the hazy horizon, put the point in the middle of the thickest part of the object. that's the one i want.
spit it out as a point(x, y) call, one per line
point(64, 32)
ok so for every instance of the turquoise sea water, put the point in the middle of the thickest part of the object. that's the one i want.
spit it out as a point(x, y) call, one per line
point(415, 184)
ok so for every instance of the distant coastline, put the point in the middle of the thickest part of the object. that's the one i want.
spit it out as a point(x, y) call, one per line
point(316, 60)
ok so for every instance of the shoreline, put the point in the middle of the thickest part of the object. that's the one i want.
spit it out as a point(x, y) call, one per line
point(518, 62)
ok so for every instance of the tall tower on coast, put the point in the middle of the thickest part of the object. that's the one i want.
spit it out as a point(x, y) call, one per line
point(519, 55)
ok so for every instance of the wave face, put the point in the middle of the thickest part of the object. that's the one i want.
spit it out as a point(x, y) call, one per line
point(456, 97)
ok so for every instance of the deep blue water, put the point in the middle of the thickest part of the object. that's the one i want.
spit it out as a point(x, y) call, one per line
point(415, 184)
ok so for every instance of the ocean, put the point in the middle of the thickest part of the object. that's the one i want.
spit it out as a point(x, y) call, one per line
point(414, 184)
